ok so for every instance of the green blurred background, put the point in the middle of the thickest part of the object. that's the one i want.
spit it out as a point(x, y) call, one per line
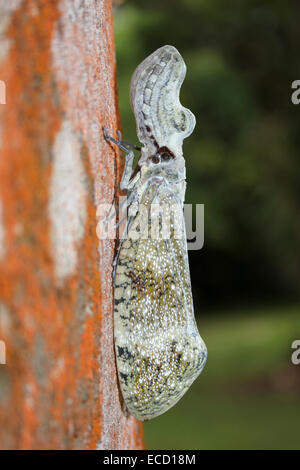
point(242, 163)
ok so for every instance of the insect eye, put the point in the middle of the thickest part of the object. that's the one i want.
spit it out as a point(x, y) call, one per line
point(155, 159)
point(165, 157)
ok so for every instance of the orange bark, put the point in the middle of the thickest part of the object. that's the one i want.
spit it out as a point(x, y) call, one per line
point(59, 387)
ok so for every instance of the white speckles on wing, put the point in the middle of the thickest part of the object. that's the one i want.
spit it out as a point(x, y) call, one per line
point(158, 348)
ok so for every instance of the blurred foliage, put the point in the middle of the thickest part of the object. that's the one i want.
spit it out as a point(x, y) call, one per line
point(247, 397)
point(242, 163)
point(242, 159)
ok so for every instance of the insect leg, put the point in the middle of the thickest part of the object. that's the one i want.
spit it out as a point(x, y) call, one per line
point(128, 144)
point(128, 161)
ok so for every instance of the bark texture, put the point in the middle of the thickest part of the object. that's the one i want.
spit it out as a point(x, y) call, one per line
point(59, 387)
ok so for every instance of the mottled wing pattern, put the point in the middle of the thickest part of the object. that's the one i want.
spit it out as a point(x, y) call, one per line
point(158, 348)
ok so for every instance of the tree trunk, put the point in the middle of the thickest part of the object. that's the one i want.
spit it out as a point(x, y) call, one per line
point(58, 388)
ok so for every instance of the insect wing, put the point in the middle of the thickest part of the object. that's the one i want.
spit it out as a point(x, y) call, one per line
point(159, 351)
